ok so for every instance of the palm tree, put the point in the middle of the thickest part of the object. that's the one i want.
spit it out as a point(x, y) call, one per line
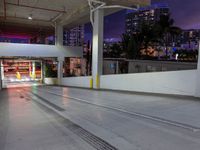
point(166, 31)
point(116, 51)
point(125, 41)
point(148, 36)
point(131, 45)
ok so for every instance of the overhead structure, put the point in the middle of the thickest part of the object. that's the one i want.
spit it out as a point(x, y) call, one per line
point(97, 12)
point(65, 12)
point(96, 4)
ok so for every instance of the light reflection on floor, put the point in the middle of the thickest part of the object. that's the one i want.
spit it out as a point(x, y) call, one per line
point(21, 84)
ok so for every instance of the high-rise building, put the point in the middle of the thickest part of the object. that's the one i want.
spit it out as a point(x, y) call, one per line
point(148, 15)
point(192, 35)
point(74, 37)
point(189, 39)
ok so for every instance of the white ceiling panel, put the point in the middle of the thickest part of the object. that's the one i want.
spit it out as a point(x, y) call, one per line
point(69, 11)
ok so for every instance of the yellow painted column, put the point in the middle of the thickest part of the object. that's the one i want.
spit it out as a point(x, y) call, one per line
point(91, 83)
point(97, 47)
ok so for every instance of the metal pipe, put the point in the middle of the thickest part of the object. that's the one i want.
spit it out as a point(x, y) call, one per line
point(91, 13)
point(98, 7)
point(102, 5)
point(33, 7)
point(57, 17)
point(92, 8)
point(119, 6)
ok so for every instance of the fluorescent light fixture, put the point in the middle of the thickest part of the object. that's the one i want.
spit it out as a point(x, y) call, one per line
point(30, 17)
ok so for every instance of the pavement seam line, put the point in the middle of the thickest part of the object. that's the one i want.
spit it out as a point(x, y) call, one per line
point(95, 141)
point(153, 118)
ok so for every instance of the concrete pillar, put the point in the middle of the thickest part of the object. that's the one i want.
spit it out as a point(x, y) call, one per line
point(41, 73)
point(60, 69)
point(30, 70)
point(33, 70)
point(97, 45)
point(2, 70)
point(58, 35)
point(1, 75)
point(197, 94)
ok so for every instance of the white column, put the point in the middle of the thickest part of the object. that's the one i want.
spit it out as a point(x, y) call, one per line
point(60, 69)
point(41, 72)
point(2, 70)
point(97, 48)
point(1, 74)
point(33, 69)
point(58, 35)
point(197, 94)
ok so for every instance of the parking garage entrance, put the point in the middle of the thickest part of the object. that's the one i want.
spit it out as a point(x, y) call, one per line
point(20, 72)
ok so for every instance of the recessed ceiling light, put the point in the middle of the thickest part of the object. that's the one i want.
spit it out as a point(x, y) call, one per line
point(30, 17)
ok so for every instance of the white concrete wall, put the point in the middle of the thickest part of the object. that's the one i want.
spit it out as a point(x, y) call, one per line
point(51, 81)
point(1, 75)
point(77, 81)
point(38, 50)
point(197, 92)
point(0, 79)
point(175, 82)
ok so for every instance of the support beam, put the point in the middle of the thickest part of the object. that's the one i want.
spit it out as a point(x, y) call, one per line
point(60, 69)
point(41, 73)
point(97, 52)
point(33, 70)
point(43, 68)
point(59, 35)
point(30, 70)
point(1, 74)
point(2, 70)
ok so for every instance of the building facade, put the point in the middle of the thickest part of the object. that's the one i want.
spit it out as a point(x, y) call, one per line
point(148, 15)
point(189, 38)
point(74, 37)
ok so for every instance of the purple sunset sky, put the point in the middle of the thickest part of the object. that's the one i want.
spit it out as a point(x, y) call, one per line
point(186, 14)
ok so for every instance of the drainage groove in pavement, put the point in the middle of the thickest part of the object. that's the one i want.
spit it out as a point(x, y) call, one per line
point(153, 118)
point(49, 103)
point(93, 140)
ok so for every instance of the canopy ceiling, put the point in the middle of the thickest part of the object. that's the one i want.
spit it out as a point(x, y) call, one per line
point(46, 12)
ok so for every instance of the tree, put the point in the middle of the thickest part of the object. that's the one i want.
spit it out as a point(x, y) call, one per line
point(148, 36)
point(125, 41)
point(161, 33)
point(166, 31)
point(116, 50)
point(131, 46)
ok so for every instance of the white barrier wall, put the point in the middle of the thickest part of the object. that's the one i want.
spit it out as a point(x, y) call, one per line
point(77, 81)
point(51, 81)
point(0, 80)
point(197, 92)
point(39, 50)
point(175, 82)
